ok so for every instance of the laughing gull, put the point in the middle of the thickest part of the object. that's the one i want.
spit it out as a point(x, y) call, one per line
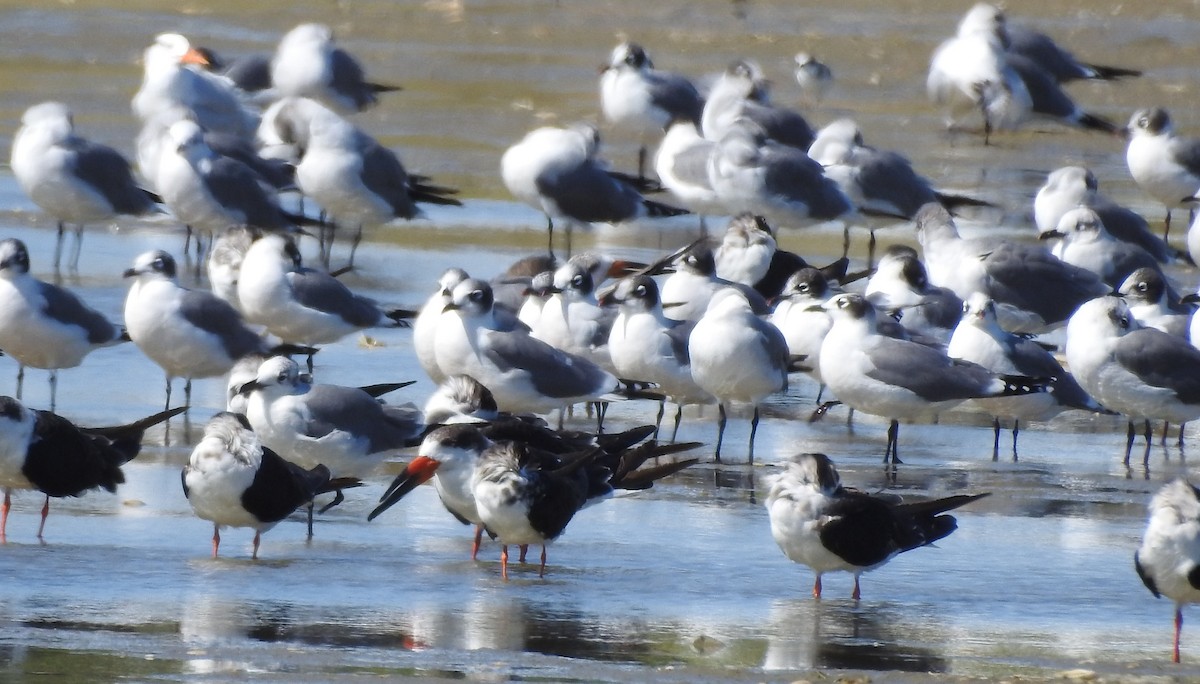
point(298, 304)
point(636, 96)
point(307, 63)
point(170, 81)
point(154, 135)
point(1086, 243)
point(682, 166)
point(1050, 102)
point(1168, 560)
point(525, 496)
point(900, 287)
point(232, 480)
point(557, 171)
point(1034, 291)
point(1006, 85)
point(740, 93)
point(43, 451)
point(1165, 165)
point(643, 343)
point(821, 524)
point(980, 339)
point(752, 173)
point(70, 178)
point(737, 356)
point(357, 181)
point(799, 317)
point(188, 333)
point(880, 181)
point(744, 255)
point(688, 290)
point(749, 256)
point(1153, 303)
point(43, 325)
point(1141, 373)
point(344, 428)
point(571, 319)
point(813, 76)
point(1069, 187)
point(210, 192)
point(970, 73)
point(1056, 60)
point(524, 373)
point(426, 322)
point(224, 261)
point(900, 379)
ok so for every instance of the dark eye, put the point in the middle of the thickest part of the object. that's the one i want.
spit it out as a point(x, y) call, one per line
point(1142, 287)
point(1144, 122)
point(966, 308)
point(282, 377)
point(577, 281)
point(803, 287)
point(639, 291)
point(1123, 321)
point(476, 295)
point(158, 264)
point(843, 303)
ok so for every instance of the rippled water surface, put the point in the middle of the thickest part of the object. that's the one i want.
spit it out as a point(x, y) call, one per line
point(683, 583)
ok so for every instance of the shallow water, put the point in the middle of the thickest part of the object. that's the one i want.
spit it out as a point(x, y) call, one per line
point(682, 583)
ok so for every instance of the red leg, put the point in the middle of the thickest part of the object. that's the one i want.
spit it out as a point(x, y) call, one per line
point(524, 550)
point(856, 594)
point(216, 540)
point(478, 541)
point(45, 512)
point(817, 588)
point(504, 562)
point(4, 515)
point(257, 541)
point(1178, 628)
point(542, 569)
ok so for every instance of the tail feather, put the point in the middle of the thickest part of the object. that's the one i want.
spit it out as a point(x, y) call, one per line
point(337, 484)
point(646, 186)
point(953, 202)
point(134, 430)
point(939, 506)
point(420, 189)
point(1112, 73)
point(1097, 123)
point(619, 441)
point(401, 316)
point(379, 389)
point(644, 478)
point(660, 210)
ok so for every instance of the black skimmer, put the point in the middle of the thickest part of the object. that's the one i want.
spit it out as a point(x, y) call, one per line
point(44, 451)
point(450, 455)
point(232, 480)
point(527, 496)
point(1169, 559)
point(819, 523)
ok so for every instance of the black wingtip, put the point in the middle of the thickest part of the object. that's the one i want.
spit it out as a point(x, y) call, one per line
point(1111, 73)
point(660, 210)
point(1097, 123)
